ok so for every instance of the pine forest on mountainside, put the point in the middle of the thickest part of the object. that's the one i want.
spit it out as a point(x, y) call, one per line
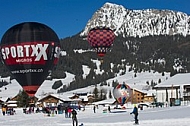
point(142, 54)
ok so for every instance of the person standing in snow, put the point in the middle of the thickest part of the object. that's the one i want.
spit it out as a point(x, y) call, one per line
point(135, 112)
point(109, 109)
point(66, 112)
point(4, 109)
point(74, 117)
point(69, 112)
point(94, 108)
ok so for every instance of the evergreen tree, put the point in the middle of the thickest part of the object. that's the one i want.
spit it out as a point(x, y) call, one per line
point(163, 74)
point(135, 75)
point(159, 81)
point(96, 92)
point(101, 95)
point(23, 99)
point(152, 83)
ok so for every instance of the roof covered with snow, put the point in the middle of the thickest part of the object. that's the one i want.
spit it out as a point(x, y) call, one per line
point(176, 80)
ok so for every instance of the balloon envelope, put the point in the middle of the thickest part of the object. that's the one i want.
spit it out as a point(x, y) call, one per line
point(30, 50)
point(122, 93)
point(101, 39)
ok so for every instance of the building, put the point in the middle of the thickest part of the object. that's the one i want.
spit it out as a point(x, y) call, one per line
point(150, 96)
point(50, 100)
point(12, 104)
point(53, 100)
point(140, 96)
point(174, 89)
point(83, 98)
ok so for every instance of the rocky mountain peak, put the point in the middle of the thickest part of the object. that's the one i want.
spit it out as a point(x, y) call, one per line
point(139, 23)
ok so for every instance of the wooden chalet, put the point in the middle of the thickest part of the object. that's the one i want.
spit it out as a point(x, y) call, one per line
point(49, 100)
point(149, 97)
point(141, 96)
point(82, 98)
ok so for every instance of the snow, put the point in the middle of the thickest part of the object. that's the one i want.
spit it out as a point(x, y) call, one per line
point(97, 71)
point(46, 86)
point(10, 90)
point(139, 22)
point(177, 80)
point(86, 69)
point(167, 116)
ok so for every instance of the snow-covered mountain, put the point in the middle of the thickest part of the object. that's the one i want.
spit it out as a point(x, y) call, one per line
point(139, 23)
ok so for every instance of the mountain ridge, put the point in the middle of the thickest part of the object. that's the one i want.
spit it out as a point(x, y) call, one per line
point(139, 23)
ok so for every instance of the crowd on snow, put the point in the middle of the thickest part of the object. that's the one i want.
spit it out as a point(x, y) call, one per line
point(70, 112)
point(7, 110)
point(51, 110)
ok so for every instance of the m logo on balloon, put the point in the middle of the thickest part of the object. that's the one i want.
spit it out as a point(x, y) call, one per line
point(29, 50)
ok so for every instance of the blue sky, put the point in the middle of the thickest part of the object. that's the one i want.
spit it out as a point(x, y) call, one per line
point(69, 17)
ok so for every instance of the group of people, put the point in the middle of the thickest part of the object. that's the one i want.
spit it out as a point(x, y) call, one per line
point(29, 110)
point(7, 110)
point(71, 113)
point(68, 112)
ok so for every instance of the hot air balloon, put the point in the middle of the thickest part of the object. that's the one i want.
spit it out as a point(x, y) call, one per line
point(122, 93)
point(30, 50)
point(101, 39)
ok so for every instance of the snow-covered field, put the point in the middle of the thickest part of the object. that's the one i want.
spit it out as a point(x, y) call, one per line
point(168, 116)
